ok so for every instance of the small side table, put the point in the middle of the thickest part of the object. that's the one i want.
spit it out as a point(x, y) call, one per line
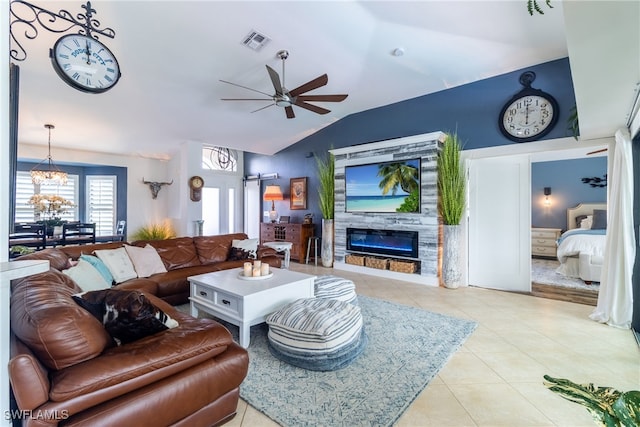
point(281, 247)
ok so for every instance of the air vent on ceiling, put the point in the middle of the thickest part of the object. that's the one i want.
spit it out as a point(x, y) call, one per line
point(254, 40)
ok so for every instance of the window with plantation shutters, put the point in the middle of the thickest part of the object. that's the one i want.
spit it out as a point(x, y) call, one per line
point(25, 189)
point(101, 203)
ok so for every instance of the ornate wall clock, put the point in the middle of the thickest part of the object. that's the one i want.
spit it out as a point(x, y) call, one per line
point(195, 184)
point(84, 63)
point(529, 114)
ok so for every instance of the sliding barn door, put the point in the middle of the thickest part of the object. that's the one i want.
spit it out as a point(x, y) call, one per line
point(500, 223)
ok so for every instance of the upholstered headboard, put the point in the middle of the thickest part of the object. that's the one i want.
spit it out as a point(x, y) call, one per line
point(582, 209)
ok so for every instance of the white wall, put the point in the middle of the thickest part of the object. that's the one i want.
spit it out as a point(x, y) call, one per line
point(141, 208)
point(183, 210)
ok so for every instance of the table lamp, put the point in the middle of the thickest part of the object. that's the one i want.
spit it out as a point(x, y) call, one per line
point(273, 193)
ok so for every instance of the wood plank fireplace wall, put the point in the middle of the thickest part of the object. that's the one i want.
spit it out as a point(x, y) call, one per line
point(424, 146)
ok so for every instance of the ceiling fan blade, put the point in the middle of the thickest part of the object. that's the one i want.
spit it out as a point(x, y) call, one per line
point(322, 98)
point(275, 80)
point(267, 106)
point(311, 107)
point(246, 99)
point(289, 111)
point(248, 88)
point(311, 85)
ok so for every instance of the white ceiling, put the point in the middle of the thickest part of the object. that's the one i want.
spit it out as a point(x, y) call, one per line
point(173, 53)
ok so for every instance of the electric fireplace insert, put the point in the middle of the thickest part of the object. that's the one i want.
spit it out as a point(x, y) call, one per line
point(383, 242)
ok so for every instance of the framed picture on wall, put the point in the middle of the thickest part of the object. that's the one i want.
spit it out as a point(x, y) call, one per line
point(298, 196)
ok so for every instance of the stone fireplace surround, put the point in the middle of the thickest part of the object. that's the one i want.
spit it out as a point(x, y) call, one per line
point(426, 147)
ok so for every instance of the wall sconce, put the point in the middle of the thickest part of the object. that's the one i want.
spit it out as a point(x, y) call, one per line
point(271, 194)
point(547, 193)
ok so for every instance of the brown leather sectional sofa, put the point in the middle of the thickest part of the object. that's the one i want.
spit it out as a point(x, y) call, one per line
point(65, 369)
point(182, 256)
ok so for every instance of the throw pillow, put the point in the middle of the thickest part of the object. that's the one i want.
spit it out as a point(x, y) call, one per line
point(126, 315)
point(118, 263)
point(587, 222)
point(100, 266)
point(599, 219)
point(87, 277)
point(146, 261)
point(243, 249)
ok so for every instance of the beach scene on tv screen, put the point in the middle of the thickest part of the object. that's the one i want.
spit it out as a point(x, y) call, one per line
point(383, 187)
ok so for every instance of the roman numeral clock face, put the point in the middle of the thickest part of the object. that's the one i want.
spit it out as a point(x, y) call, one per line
point(528, 117)
point(84, 63)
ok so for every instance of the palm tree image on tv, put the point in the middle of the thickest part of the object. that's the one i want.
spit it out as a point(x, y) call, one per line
point(383, 187)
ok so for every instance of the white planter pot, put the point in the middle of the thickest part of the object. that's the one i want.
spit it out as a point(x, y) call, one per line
point(327, 243)
point(451, 272)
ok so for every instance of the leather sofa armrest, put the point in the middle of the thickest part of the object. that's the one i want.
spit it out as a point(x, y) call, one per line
point(145, 285)
point(264, 251)
point(29, 378)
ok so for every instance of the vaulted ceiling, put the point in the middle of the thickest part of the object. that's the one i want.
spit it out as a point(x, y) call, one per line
point(173, 55)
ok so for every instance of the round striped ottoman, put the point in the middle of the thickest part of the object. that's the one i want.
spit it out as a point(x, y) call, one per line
point(317, 334)
point(334, 287)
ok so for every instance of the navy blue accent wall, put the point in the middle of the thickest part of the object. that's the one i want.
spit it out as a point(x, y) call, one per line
point(83, 172)
point(471, 109)
point(567, 189)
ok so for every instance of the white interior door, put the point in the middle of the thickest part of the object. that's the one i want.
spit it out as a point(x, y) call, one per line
point(252, 206)
point(500, 223)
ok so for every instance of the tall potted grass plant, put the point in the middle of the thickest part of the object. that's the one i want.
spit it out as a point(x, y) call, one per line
point(452, 187)
point(326, 195)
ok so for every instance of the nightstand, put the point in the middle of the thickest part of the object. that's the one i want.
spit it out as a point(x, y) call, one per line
point(543, 242)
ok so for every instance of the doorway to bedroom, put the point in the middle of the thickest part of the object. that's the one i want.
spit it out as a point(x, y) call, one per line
point(499, 223)
point(565, 192)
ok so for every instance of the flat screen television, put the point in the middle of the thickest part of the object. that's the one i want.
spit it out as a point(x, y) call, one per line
point(392, 186)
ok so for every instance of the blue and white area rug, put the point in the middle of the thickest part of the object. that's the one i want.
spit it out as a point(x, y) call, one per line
point(407, 347)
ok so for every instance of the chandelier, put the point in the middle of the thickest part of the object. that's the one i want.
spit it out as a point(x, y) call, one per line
point(50, 175)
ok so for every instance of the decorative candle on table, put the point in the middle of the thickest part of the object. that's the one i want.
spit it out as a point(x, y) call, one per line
point(256, 272)
point(247, 269)
point(264, 269)
point(256, 264)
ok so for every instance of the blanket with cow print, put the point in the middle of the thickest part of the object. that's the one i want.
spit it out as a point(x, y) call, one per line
point(127, 315)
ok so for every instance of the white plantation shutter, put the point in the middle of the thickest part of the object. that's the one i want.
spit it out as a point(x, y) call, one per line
point(101, 203)
point(25, 189)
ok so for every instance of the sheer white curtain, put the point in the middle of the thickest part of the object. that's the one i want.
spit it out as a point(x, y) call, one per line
point(615, 299)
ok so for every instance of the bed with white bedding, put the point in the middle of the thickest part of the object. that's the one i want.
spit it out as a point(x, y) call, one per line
point(581, 247)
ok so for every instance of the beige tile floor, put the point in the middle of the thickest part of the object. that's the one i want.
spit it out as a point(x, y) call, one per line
point(495, 379)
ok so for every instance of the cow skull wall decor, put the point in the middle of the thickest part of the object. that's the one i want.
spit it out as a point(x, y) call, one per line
point(155, 186)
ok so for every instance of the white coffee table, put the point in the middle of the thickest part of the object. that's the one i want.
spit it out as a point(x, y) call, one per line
point(245, 303)
point(281, 247)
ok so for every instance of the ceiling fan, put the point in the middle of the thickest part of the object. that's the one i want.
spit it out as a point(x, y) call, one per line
point(287, 98)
